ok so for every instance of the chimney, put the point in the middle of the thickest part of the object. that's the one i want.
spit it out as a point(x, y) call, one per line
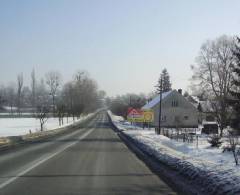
point(180, 91)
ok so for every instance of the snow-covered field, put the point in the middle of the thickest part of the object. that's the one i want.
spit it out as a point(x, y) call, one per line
point(21, 126)
point(208, 167)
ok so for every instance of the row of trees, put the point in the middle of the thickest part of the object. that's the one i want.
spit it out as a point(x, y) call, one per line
point(50, 96)
point(20, 97)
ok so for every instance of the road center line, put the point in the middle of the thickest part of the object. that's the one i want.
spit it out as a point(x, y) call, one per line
point(43, 160)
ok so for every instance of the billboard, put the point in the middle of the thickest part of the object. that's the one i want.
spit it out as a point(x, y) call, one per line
point(138, 115)
point(148, 116)
point(135, 115)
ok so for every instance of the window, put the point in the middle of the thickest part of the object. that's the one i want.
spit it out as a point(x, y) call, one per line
point(185, 117)
point(174, 103)
point(164, 118)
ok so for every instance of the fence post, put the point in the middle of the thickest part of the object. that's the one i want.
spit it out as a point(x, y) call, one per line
point(197, 141)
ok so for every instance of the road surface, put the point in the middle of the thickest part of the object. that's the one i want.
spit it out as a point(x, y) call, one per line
point(90, 160)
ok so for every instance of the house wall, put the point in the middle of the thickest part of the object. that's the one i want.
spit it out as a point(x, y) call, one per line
point(176, 111)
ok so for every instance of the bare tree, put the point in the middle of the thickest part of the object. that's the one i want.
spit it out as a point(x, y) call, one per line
point(60, 112)
point(42, 104)
point(33, 88)
point(42, 93)
point(53, 80)
point(2, 100)
point(19, 90)
point(234, 142)
point(42, 115)
point(213, 76)
point(26, 96)
point(84, 88)
point(81, 95)
point(68, 93)
point(11, 96)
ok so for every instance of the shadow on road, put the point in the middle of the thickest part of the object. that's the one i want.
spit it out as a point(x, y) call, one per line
point(111, 140)
point(80, 175)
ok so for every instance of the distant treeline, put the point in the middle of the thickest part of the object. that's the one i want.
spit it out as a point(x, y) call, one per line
point(80, 95)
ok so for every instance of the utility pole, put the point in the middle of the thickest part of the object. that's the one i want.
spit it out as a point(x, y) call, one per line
point(160, 109)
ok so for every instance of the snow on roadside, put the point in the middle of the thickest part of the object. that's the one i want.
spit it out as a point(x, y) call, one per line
point(120, 123)
point(214, 171)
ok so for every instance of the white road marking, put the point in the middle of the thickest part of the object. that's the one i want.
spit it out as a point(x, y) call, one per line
point(43, 160)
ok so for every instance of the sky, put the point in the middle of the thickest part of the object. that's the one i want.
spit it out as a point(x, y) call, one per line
point(122, 44)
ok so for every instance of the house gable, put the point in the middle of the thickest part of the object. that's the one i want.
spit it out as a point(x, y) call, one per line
point(155, 101)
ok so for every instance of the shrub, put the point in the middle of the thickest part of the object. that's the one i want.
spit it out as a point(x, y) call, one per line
point(215, 140)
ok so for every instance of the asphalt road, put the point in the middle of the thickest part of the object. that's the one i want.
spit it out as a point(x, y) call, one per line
point(90, 160)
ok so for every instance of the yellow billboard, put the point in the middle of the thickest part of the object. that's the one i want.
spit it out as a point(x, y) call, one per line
point(148, 116)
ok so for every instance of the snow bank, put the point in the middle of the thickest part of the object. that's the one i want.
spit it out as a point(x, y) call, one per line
point(212, 174)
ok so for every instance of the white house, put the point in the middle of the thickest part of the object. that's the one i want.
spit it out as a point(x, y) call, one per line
point(177, 111)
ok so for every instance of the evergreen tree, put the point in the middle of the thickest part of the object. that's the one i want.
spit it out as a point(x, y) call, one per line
point(186, 94)
point(200, 112)
point(235, 101)
point(199, 107)
point(166, 84)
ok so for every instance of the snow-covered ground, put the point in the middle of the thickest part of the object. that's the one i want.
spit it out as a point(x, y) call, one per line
point(186, 150)
point(208, 167)
point(21, 126)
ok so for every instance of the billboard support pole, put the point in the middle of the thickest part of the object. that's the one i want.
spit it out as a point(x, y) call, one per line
point(160, 109)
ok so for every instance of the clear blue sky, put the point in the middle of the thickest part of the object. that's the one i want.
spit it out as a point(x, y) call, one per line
point(123, 44)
